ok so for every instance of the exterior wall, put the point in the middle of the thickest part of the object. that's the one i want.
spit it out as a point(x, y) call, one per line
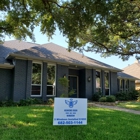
point(74, 72)
point(94, 81)
point(82, 83)
point(89, 84)
point(28, 80)
point(137, 86)
point(102, 82)
point(60, 72)
point(131, 84)
point(44, 82)
point(6, 84)
point(21, 87)
point(113, 83)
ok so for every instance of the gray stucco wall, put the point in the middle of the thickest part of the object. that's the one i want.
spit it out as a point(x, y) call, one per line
point(6, 83)
point(61, 70)
point(113, 83)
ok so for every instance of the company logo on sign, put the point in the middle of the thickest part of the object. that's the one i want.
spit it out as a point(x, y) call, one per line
point(71, 103)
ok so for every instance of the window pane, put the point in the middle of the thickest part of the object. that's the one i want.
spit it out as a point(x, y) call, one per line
point(98, 79)
point(106, 80)
point(106, 91)
point(36, 73)
point(50, 90)
point(50, 80)
point(35, 90)
point(50, 75)
point(36, 79)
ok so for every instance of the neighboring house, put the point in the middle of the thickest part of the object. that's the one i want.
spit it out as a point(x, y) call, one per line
point(125, 82)
point(29, 70)
point(134, 70)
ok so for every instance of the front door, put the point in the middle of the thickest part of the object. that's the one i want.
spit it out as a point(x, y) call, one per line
point(73, 86)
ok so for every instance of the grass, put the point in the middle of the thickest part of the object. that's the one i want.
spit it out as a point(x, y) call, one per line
point(35, 123)
point(130, 105)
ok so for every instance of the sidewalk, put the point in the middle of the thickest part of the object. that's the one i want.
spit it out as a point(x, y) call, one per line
point(116, 108)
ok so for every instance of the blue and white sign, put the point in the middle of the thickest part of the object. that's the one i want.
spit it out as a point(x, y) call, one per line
point(70, 111)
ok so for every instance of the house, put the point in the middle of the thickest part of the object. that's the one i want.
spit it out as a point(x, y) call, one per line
point(29, 70)
point(134, 70)
point(125, 82)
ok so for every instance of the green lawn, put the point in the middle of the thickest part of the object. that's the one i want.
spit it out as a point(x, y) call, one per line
point(35, 123)
point(130, 105)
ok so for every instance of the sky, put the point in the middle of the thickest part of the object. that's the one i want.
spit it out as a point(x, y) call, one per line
point(60, 40)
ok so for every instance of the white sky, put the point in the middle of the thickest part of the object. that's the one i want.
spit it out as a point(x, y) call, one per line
point(60, 40)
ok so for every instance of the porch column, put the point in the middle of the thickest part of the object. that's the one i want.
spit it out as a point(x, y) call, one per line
point(94, 81)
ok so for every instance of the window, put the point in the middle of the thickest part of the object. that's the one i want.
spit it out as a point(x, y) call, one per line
point(98, 81)
point(106, 74)
point(36, 79)
point(121, 85)
point(51, 80)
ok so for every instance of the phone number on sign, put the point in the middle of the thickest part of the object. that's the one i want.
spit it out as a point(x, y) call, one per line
point(70, 122)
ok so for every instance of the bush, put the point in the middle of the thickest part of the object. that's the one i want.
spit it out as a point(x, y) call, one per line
point(102, 99)
point(96, 97)
point(132, 95)
point(121, 96)
point(138, 99)
point(50, 101)
point(111, 98)
point(22, 102)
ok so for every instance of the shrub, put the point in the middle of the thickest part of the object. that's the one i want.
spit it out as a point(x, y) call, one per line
point(50, 101)
point(132, 95)
point(138, 99)
point(102, 99)
point(111, 98)
point(121, 96)
point(96, 97)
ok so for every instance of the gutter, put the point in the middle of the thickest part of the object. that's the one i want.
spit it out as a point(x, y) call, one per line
point(6, 66)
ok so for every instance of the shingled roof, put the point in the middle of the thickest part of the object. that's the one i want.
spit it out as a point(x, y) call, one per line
point(53, 53)
point(133, 69)
point(126, 76)
point(13, 46)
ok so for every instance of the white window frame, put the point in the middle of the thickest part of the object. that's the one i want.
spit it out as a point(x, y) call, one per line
point(37, 84)
point(54, 86)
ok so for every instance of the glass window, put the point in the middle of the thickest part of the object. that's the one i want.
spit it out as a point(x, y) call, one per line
point(106, 74)
point(36, 79)
point(121, 85)
point(51, 79)
point(98, 81)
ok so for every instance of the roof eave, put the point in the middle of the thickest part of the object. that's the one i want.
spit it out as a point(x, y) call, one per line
point(6, 66)
point(12, 55)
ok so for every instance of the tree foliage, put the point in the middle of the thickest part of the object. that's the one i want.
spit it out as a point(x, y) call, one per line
point(103, 26)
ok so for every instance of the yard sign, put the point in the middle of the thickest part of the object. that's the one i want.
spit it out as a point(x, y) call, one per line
point(70, 111)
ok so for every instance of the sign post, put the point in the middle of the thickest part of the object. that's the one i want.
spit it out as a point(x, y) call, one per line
point(70, 111)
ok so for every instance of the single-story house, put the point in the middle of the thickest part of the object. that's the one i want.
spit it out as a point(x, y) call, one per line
point(29, 70)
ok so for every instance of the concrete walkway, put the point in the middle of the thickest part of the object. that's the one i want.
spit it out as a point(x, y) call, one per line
point(118, 108)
